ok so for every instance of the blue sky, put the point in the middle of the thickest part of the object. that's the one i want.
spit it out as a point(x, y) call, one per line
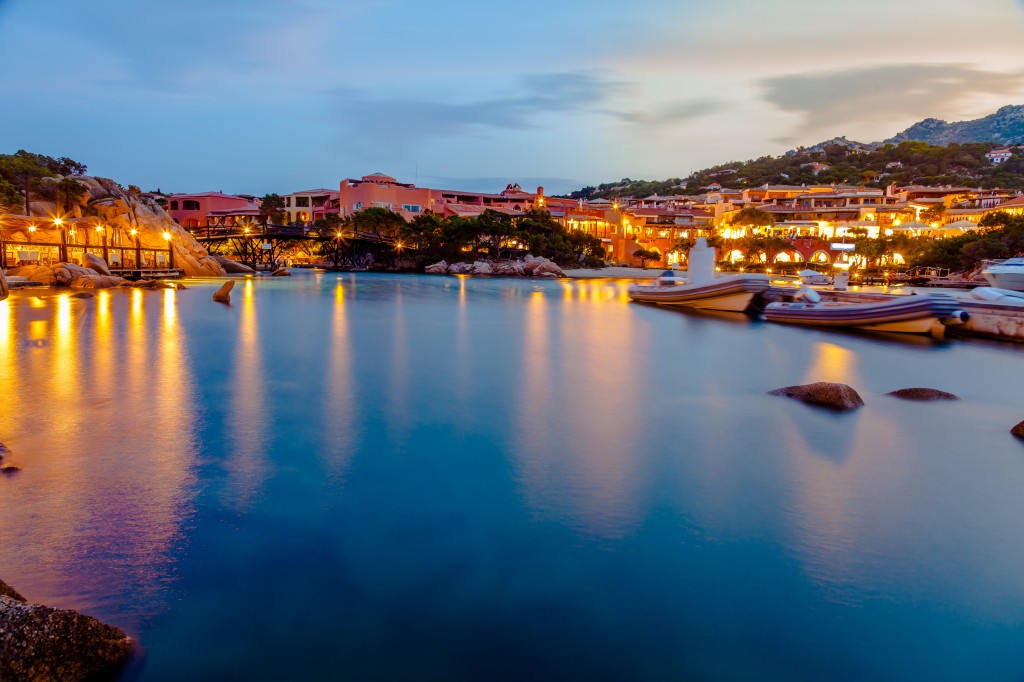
point(265, 95)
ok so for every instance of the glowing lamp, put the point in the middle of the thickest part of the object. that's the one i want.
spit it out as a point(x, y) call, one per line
point(133, 232)
point(31, 228)
point(58, 222)
point(167, 236)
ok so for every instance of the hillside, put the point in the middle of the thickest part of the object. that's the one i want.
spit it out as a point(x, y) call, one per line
point(1006, 126)
point(904, 164)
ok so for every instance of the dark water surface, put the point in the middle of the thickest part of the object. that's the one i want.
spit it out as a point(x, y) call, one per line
point(373, 477)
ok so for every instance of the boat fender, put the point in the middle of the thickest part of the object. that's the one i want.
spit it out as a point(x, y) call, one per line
point(994, 294)
point(809, 295)
point(956, 317)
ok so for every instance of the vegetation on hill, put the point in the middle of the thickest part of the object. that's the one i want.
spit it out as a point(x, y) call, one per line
point(1006, 126)
point(24, 175)
point(905, 163)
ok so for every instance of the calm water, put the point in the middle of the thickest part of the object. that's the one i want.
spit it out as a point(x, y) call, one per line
point(372, 477)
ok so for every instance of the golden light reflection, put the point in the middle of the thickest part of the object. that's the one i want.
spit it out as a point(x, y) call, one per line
point(830, 362)
point(104, 438)
point(247, 425)
point(597, 487)
point(170, 308)
point(339, 408)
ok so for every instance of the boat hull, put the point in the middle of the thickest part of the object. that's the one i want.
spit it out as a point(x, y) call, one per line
point(1013, 281)
point(730, 294)
point(907, 315)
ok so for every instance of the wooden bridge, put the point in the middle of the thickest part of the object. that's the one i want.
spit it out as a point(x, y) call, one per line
point(261, 245)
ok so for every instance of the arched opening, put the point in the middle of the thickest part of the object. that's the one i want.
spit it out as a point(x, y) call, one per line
point(820, 257)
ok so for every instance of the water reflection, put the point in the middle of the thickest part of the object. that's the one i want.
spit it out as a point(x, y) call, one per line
point(105, 445)
point(247, 422)
point(340, 428)
point(574, 448)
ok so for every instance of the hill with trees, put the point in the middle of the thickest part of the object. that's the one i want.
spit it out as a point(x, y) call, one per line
point(1006, 126)
point(905, 163)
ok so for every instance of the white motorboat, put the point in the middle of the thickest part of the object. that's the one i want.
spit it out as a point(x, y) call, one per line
point(927, 314)
point(1008, 274)
point(813, 277)
point(701, 289)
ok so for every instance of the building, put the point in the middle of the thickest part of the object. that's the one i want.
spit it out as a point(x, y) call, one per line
point(211, 208)
point(998, 156)
point(310, 204)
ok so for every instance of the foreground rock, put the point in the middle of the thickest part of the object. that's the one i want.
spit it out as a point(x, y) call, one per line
point(1018, 430)
point(839, 397)
point(922, 394)
point(4, 290)
point(68, 275)
point(437, 268)
point(223, 295)
point(233, 267)
point(96, 263)
point(281, 272)
point(40, 643)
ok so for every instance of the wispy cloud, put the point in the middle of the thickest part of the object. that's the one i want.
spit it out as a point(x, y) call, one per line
point(396, 120)
point(833, 102)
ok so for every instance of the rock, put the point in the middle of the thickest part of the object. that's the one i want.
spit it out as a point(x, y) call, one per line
point(96, 282)
point(4, 450)
point(36, 273)
point(922, 394)
point(179, 286)
point(8, 470)
point(96, 263)
point(145, 284)
point(482, 268)
point(281, 272)
point(1018, 430)
point(233, 267)
point(509, 269)
point(546, 267)
point(460, 268)
point(838, 397)
point(41, 643)
point(8, 591)
point(223, 295)
point(4, 290)
point(549, 275)
point(531, 264)
point(437, 268)
point(82, 294)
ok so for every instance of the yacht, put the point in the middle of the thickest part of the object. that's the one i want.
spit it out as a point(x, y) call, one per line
point(1008, 274)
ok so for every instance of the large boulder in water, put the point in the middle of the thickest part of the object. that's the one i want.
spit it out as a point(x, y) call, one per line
point(437, 268)
point(481, 267)
point(96, 263)
point(922, 394)
point(1018, 430)
point(223, 295)
point(233, 267)
point(839, 397)
point(41, 643)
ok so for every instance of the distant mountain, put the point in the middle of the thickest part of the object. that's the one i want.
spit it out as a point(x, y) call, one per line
point(1006, 126)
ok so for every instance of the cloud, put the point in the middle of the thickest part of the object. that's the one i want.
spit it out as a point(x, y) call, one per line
point(896, 95)
point(672, 112)
point(396, 120)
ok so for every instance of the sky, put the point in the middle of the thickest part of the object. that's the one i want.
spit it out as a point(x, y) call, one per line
point(257, 96)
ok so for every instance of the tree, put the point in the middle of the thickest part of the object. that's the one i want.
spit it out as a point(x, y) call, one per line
point(378, 221)
point(272, 208)
point(644, 255)
point(752, 217)
point(933, 214)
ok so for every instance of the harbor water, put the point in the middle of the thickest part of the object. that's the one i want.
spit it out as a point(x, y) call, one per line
point(385, 477)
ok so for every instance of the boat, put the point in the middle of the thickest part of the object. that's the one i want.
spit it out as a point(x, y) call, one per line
point(813, 277)
point(1007, 274)
point(700, 289)
point(732, 293)
point(925, 314)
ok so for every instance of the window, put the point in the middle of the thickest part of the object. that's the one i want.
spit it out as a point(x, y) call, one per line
point(382, 204)
point(411, 208)
point(190, 205)
point(356, 206)
point(288, 202)
point(174, 205)
point(302, 202)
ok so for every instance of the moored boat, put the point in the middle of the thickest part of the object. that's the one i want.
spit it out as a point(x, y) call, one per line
point(732, 293)
point(1008, 274)
point(813, 277)
point(929, 313)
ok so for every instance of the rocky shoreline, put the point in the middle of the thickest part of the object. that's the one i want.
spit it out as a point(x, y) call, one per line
point(528, 267)
point(42, 643)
